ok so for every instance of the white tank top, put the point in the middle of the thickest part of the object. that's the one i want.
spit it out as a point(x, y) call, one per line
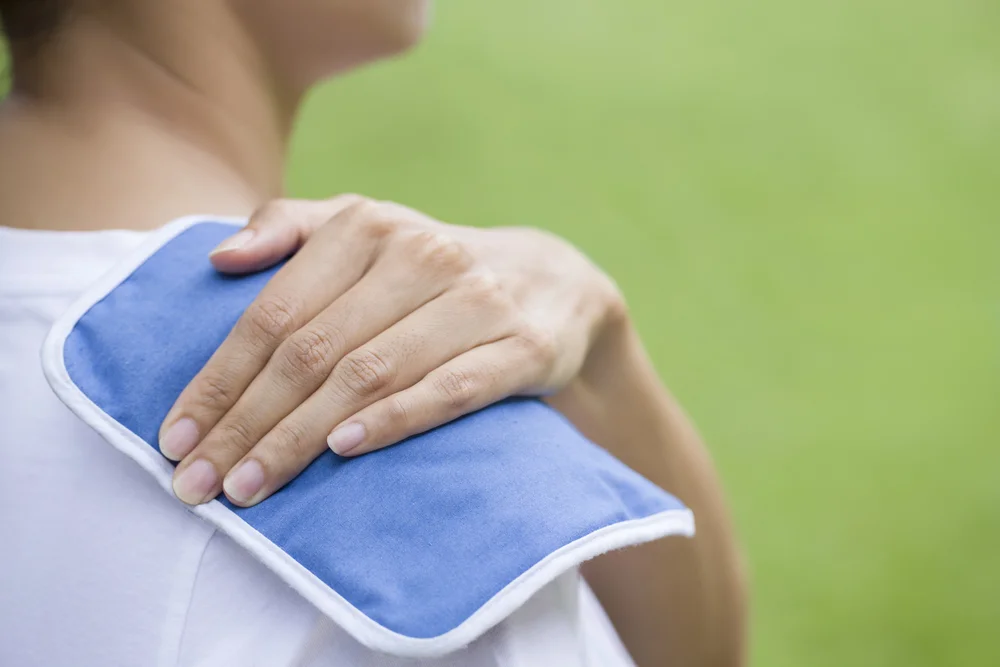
point(100, 567)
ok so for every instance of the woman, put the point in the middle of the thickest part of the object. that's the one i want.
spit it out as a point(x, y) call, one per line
point(125, 114)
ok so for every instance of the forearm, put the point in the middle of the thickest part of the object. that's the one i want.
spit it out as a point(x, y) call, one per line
point(678, 602)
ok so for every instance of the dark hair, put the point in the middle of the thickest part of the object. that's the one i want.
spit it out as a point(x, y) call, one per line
point(28, 23)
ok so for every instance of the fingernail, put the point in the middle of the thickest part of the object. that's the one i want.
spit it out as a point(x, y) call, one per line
point(347, 437)
point(245, 481)
point(234, 242)
point(179, 439)
point(197, 481)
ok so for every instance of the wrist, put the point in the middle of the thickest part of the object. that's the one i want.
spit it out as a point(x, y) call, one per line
point(614, 354)
point(615, 385)
point(619, 402)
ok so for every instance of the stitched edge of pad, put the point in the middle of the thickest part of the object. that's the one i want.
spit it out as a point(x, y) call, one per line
point(365, 630)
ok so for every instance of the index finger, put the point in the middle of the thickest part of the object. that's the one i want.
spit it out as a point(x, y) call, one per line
point(317, 275)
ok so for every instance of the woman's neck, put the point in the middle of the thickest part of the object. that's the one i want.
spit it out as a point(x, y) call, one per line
point(128, 121)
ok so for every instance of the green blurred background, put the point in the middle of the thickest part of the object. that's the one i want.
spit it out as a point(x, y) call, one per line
point(801, 201)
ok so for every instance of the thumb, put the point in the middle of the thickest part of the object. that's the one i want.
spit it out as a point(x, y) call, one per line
point(275, 231)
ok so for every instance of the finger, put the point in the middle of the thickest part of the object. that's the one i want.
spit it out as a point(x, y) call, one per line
point(396, 359)
point(276, 231)
point(314, 278)
point(301, 364)
point(478, 378)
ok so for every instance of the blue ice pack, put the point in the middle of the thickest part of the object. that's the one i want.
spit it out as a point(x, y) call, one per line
point(416, 549)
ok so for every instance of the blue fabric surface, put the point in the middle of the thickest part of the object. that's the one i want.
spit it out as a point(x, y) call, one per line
point(416, 536)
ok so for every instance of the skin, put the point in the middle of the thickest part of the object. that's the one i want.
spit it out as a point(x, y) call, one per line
point(139, 111)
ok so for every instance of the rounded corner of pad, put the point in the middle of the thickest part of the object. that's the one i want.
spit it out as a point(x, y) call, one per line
point(52, 354)
point(558, 564)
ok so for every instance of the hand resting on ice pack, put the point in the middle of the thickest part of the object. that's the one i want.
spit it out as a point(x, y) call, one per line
point(383, 325)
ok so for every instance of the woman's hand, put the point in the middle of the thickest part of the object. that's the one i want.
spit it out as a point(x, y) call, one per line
point(385, 323)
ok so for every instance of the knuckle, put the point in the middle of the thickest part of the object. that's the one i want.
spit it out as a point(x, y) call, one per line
point(378, 228)
point(456, 388)
point(540, 343)
point(294, 443)
point(308, 354)
point(370, 220)
point(364, 373)
point(270, 320)
point(439, 252)
point(236, 436)
point(397, 415)
point(216, 392)
point(483, 290)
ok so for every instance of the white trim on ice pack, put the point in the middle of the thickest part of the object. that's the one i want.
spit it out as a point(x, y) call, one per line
point(330, 602)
